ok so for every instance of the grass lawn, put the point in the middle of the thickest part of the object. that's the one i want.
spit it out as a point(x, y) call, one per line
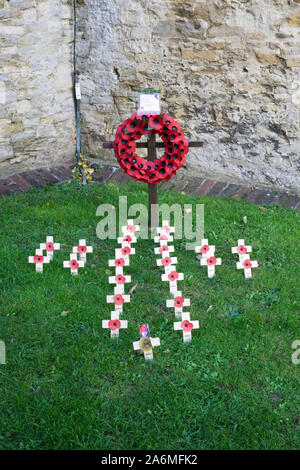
point(67, 385)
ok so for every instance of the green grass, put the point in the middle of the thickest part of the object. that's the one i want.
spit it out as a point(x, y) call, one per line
point(67, 385)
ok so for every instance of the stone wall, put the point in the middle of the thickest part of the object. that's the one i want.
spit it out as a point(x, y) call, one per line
point(229, 71)
point(36, 102)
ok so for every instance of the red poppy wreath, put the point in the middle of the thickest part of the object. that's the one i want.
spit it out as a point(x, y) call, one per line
point(174, 157)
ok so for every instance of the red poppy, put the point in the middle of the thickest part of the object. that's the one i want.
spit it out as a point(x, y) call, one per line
point(82, 249)
point(127, 239)
point(168, 121)
point(49, 246)
point(211, 261)
point(156, 122)
point(178, 301)
point(120, 279)
point(119, 300)
point(173, 276)
point(119, 262)
point(242, 249)
point(38, 259)
point(247, 264)
point(163, 249)
point(166, 228)
point(186, 325)
point(132, 126)
point(131, 228)
point(73, 264)
point(126, 251)
point(126, 136)
point(164, 237)
point(204, 249)
point(114, 324)
point(166, 261)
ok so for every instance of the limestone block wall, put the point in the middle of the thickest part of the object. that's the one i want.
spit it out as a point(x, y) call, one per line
point(229, 71)
point(36, 102)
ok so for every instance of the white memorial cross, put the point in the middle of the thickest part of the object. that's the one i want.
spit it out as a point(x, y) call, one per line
point(114, 324)
point(246, 264)
point(119, 280)
point(186, 325)
point(205, 249)
point(118, 300)
point(167, 262)
point(241, 249)
point(146, 346)
point(73, 264)
point(82, 249)
point(173, 276)
point(50, 246)
point(165, 228)
point(211, 262)
point(126, 240)
point(124, 252)
point(164, 250)
point(178, 303)
point(130, 228)
point(39, 260)
point(163, 239)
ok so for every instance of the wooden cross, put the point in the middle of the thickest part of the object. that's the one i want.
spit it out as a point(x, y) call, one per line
point(50, 246)
point(246, 264)
point(178, 303)
point(39, 260)
point(114, 324)
point(211, 262)
point(82, 249)
point(151, 147)
point(73, 264)
point(146, 345)
point(186, 325)
point(205, 249)
point(241, 249)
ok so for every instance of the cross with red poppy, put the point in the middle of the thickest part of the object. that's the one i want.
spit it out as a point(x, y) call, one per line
point(241, 249)
point(163, 239)
point(82, 249)
point(73, 264)
point(165, 229)
point(38, 259)
point(173, 276)
point(119, 263)
point(205, 249)
point(178, 303)
point(50, 246)
point(211, 262)
point(145, 345)
point(130, 228)
point(167, 263)
point(124, 252)
point(119, 280)
point(246, 264)
point(118, 300)
point(114, 324)
point(186, 325)
point(164, 250)
point(126, 239)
